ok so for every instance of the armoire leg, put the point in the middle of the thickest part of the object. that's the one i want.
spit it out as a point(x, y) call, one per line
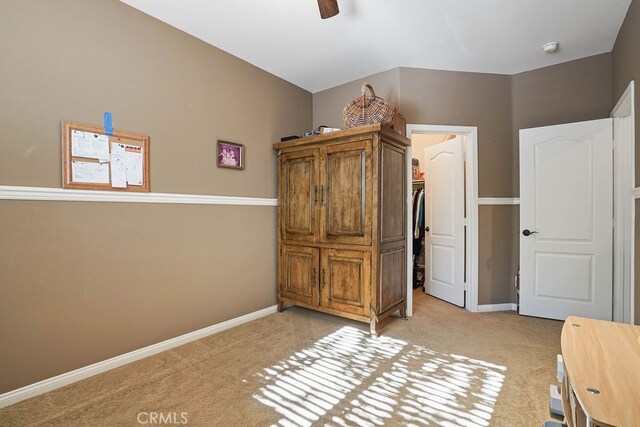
point(403, 312)
point(280, 305)
point(373, 326)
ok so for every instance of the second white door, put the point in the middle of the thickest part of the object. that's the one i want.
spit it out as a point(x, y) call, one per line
point(566, 211)
point(444, 221)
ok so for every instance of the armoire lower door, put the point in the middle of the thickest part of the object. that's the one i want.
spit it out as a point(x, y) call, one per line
point(346, 280)
point(299, 273)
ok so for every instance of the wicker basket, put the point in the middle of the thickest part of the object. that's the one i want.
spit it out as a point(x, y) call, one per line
point(368, 110)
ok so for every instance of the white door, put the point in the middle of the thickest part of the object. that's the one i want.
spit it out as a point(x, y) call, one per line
point(444, 221)
point(566, 210)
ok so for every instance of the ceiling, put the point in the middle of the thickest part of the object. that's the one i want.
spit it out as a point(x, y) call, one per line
point(287, 37)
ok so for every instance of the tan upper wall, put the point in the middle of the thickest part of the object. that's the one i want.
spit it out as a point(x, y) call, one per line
point(83, 282)
point(328, 104)
point(574, 91)
point(440, 98)
point(73, 60)
point(499, 106)
point(467, 99)
point(626, 67)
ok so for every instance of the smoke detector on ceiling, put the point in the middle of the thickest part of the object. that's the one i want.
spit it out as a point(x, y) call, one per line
point(550, 47)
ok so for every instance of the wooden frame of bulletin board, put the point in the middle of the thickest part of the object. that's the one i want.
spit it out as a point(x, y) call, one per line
point(93, 160)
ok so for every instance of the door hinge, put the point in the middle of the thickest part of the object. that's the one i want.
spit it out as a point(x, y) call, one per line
point(466, 287)
point(466, 222)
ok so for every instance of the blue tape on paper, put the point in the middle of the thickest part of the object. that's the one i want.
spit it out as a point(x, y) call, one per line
point(108, 124)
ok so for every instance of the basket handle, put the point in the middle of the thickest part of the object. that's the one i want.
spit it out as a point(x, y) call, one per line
point(366, 85)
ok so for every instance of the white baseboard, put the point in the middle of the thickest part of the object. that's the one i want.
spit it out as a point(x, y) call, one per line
point(497, 307)
point(62, 380)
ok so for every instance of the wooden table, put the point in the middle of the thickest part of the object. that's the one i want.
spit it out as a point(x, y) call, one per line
point(601, 386)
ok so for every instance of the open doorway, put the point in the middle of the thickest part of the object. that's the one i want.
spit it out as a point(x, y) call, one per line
point(438, 215)
point(448, 261)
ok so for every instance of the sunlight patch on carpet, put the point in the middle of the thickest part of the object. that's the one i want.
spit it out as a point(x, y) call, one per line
point(350, 378)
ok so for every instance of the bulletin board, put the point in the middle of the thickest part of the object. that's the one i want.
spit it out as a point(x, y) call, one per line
point(93, 160)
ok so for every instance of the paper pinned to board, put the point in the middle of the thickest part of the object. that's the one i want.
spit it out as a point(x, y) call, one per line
point(133, 160)
point(131, 156)
point(118, 166)
point(89, 145)
point(89, 172)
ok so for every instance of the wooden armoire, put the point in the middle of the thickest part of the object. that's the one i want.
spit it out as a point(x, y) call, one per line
point(342, 223)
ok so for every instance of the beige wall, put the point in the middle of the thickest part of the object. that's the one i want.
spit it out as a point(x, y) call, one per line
point(71, 297)
point(498, 247)
point(328, 104)
point(574, 91)
point(73, 60)
point(626, 67)
point(499, 106)
point(482, 100)
point(466, 99)
point(82, 282)
point(454, 98)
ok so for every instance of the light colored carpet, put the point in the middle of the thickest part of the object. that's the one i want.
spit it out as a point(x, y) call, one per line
point(445, 366)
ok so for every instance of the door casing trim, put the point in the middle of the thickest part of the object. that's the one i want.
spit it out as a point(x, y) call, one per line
point(471, 199)
point(623, 115)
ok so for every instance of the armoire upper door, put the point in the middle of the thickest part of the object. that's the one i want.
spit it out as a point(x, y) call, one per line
point(345, 193)
point(299, 195)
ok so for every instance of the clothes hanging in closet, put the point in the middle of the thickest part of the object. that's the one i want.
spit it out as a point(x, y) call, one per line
point(418, 237)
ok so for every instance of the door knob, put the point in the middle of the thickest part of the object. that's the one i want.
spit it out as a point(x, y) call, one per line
point(426, 229)
point(526, 232)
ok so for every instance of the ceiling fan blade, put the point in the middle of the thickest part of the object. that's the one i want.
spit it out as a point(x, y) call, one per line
point(328, 8)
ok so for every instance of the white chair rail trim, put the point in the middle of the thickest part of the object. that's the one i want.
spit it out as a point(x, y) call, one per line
point(498, 200)
point(64, 195)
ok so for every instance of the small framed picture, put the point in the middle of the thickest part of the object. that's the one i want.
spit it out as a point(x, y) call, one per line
point(230, 155)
